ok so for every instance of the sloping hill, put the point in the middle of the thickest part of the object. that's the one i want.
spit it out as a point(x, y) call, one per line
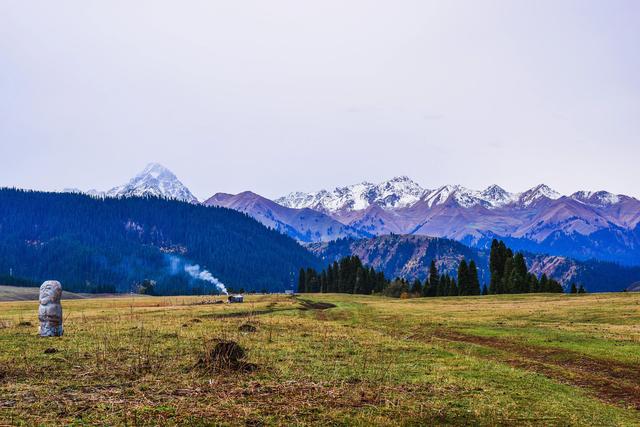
point(409, 256)
point(107, 245)
point(304, 225)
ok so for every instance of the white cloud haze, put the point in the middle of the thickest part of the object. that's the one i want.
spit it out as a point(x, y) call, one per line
point(276, 96)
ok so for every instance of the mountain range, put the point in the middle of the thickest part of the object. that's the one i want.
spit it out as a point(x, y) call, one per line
point(583, 225)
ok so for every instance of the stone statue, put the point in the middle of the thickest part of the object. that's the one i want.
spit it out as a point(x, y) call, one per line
point(50, 311)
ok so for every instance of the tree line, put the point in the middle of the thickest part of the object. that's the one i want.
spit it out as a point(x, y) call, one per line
point(348, 276)
point(509, 275)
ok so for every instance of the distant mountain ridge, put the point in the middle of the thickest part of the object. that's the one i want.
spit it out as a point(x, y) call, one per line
point(409, 256)
point(583, 225)
point(403, 192)
point(304, 225)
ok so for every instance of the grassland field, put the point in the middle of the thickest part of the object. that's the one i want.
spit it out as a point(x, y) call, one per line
point(327, 360)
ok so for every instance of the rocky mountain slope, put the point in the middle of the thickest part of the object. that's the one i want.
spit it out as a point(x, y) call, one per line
point(304, 225)
point(404, 256)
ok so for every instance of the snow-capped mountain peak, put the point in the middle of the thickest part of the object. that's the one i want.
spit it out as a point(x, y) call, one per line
point(398, 192)
point(538, 192)
point(154, 180)
point(596, 198)
point(442, 194)
point(497, 196)
point(394, 193)
point(402, 192)
point(492, 197)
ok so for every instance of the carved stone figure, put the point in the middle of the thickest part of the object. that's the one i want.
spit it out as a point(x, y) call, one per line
point(50, 311)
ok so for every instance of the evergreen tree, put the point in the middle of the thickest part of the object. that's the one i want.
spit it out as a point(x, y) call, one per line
point(453, 287)
point(506, 285)
point(425, 288)
point(323, 281)
point(302, 284)
point(518, 280)
point(443, 286)
point(485, 290)
point(544, 284)
point(381, 282)
point(335, 285)
point(359, 286)
point(434, 279)
point(497, 259)
point(463, 278)
point(574, 288)
point(329, 288)
point(346, 276)
point(555, 286)
point(534, 285)
point(473, 281)
point(416, 288)
point(581, 289)
point(312, 281)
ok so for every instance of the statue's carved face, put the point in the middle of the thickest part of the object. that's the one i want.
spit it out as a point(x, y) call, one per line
point(50, 292)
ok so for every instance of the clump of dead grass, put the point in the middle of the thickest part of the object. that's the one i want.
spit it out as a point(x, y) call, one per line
point(225, 355)
point(247, 328)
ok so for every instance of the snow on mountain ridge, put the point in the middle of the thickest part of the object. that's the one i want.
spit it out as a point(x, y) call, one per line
point(498, 196)
point(538, 192)
point(394, 193)
point(596, 198)
point(154, 180)
point(401, 192)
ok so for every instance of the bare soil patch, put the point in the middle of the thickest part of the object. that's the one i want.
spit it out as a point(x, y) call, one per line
point(240, 314)
point(315, 305)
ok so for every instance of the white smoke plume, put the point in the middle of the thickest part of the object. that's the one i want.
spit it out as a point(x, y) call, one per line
point(195, 272)
point(177, 264)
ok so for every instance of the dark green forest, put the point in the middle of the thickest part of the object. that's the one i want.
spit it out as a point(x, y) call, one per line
point(509, 275)
point(114, 245)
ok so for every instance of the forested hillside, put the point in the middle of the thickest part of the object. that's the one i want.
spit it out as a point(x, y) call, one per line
point(410, 256)
point(105, 245)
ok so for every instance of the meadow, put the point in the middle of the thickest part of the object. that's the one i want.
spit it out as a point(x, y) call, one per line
point(326, 359)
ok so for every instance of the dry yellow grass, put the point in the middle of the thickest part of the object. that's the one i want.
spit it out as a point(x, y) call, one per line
point(525, 360)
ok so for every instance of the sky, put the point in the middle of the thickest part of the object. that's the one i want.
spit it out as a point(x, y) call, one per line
point(280, 96)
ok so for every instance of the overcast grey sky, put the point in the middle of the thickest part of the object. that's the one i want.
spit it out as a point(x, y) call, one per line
point(276, 96)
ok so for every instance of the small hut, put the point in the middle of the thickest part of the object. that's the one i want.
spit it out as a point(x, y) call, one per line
point(236, 298)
